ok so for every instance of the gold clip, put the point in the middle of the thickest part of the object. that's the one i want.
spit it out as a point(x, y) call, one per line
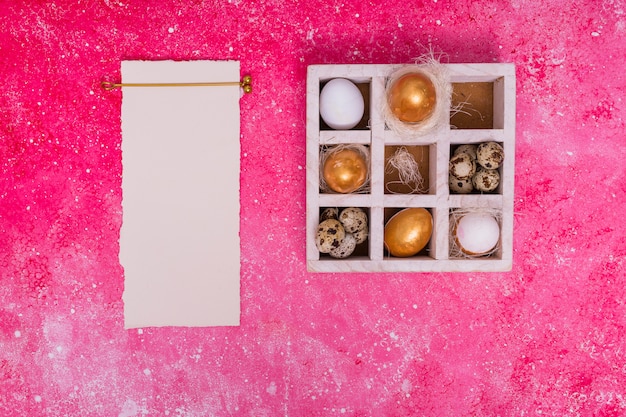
point(245, 84)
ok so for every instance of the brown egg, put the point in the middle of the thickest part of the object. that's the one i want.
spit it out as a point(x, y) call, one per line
point(412, 97)
point(408, 232)
point(345, 171)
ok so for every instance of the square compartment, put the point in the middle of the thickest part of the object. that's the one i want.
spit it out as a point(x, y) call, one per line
point(421, 155)
point(365, 188)
point(425, 253)
point(362, 249)
point(473, 105)
point(364, 88)
point(454, 251)
point(500, 170)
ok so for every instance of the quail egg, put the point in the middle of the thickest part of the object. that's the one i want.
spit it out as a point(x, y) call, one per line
point(329, 213)
point(353, 219)
point(458, 186)
point(361, 235)
point(345, 248)
point(490, 155)
point(486, 180)
point(468, 149)
point(462, 166)
point(330, 234)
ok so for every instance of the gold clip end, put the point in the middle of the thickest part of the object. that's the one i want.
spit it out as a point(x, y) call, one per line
point(246, 84)
point(108, 86)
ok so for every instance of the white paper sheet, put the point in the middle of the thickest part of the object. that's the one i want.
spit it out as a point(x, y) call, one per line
point(179, 242)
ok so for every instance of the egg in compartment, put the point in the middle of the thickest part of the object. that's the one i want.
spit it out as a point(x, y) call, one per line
point(475, 233)
point(462, 166)
point(408, 231)
point(330, 234)
point(341, 104)
point(341, 231)
point(458, 186)
point(353, 219)
point(475, 167)
point(344, 169)
point(490, 155)
point(486, 180)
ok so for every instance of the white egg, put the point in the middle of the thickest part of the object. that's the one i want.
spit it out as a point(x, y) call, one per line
point(341, 104)
point(477, 233)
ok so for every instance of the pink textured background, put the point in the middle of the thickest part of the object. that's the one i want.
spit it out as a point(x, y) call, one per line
point(548, 338)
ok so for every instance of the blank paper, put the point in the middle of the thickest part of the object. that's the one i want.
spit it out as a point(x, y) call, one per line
point(179, 241)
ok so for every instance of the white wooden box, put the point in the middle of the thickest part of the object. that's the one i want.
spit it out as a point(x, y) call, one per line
point(491, 85)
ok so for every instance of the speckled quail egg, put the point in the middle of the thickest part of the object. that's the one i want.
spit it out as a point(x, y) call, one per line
point(353, 219)
point(330, 234)
point(468, 149)
point(345, 248)
point(458, 186)
point(490, 155)
point(462, 166)
point(361, 235)
point(329, 213)
point(486, 180)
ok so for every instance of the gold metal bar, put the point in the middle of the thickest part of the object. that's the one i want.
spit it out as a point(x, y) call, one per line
point(245, 83)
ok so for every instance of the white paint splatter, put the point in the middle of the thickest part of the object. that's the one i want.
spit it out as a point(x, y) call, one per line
point(271, 390)
point(18, 333)
point(406, 387)
point(132, 409)
point(37, 398)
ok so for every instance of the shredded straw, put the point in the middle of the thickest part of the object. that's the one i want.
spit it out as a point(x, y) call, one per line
point(408, 171)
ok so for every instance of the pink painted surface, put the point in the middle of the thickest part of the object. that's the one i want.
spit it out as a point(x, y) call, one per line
point(548, 338)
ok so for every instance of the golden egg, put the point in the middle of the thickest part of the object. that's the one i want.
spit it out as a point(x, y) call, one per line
point(345, 171)
point(408, 232)
point(412, 97)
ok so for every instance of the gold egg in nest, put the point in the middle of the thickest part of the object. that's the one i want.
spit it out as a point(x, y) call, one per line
point(408, 232)
point(412, 97)
point(345, 170)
